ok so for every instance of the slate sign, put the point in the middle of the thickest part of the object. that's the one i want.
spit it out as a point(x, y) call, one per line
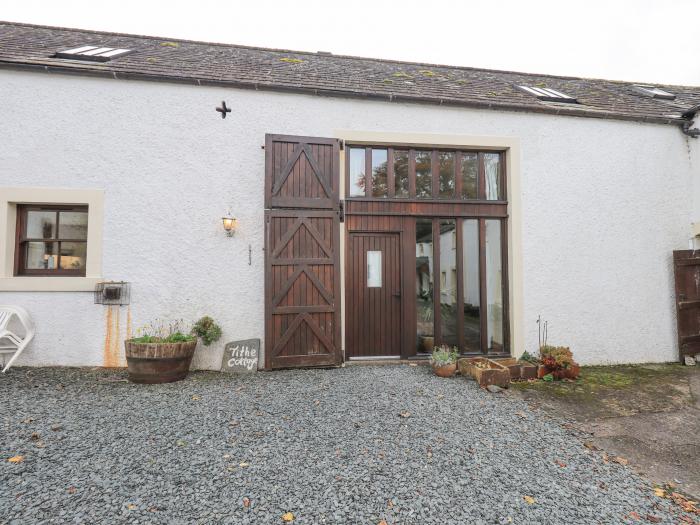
point(241, 356)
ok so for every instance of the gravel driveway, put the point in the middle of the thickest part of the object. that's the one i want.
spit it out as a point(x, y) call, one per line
point(353, 445)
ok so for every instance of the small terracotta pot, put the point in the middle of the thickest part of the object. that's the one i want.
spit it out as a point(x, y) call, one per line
point(560, 373)
point(445, 370)
point(575, 371)
point(567, 373)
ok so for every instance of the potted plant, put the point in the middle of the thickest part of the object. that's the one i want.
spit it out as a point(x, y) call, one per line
point(528, 366)
point(425, 330)
point(558, 361)
point(444, 361)
point(162, 352)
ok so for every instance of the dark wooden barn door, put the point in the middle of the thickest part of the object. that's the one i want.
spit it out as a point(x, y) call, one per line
point(302, 236)
point(686, 265)
point(373, 295)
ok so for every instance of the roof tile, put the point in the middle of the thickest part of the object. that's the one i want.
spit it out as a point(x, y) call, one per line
point(241, 66)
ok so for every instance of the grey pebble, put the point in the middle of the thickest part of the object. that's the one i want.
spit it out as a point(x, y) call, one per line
point(326, 445)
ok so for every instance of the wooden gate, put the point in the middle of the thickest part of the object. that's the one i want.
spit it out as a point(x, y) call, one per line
point(686, 266)
point(302, 240)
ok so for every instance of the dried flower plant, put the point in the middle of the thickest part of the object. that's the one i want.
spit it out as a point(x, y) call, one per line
point(162, 331)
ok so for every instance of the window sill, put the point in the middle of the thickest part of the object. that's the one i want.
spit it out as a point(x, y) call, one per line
point(48, 284)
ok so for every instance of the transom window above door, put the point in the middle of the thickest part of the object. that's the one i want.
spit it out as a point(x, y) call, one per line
point(51, 240)
point(396, 172)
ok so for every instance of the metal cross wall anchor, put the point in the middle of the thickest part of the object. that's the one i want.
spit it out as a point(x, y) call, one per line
point(223, 109)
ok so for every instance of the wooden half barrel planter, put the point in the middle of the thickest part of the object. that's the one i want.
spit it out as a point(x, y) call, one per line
point(485, 371)
point(153, 363)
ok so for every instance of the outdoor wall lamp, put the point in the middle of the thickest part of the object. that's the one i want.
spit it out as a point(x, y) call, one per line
point(230, 224)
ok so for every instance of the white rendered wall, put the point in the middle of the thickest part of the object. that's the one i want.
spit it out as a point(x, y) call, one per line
point(694, 155)
point(603, 205)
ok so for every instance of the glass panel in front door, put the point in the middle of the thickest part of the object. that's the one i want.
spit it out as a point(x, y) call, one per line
point(374, 269)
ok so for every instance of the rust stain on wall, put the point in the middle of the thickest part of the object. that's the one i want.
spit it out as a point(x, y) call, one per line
point(128, 322)
point(108, 337)
point(115, 338)
point(111, 357)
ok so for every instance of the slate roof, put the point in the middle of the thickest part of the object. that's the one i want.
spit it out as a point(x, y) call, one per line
point(202, 63)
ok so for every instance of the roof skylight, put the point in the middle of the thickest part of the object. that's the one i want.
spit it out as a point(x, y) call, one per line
point(548, 94)
point(654, 92)
point(93, 53)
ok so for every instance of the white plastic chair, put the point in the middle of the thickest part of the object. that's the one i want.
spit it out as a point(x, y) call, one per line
point(10, 341)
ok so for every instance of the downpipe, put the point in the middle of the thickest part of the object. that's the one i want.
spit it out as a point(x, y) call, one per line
point(689, 117)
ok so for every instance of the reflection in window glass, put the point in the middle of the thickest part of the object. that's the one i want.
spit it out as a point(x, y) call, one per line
point(448, 283)
point(41, 224)
point(401, 173)
point(357, 172)
point(470, 175)
point(494, 286)
point(424, 285)
point(470, 277)
point(374, 269)
point(41, 256)
point(424, 177)
point(380, 186)
point(446, 162)
point(492, 175)
point(73, 255)
point(72, 225)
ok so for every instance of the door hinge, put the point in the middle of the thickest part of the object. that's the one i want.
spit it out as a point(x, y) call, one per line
point(341, 211)
point(341, 143)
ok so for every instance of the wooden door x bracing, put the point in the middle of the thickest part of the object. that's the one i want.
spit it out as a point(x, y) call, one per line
point(302, 231)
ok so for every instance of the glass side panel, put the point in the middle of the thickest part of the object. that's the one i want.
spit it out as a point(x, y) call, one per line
point(380, 179)
point(470, 175)
point(401, 173)
point(41, 256)
point(374, 269)
point(73, 255)
point(357, 172)
point(492, 175)
point(72, 225)
point(41, 224)
point(424, 286)
point(448, 282)
point(470, 278)
point(424, 175)
point(494, 286)
point(446, 162)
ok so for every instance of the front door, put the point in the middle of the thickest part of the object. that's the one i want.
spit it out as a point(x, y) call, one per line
point(373, 295)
